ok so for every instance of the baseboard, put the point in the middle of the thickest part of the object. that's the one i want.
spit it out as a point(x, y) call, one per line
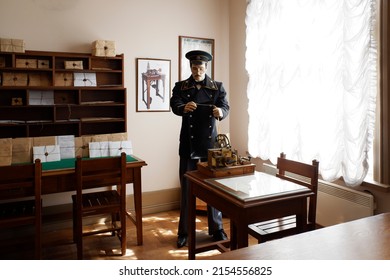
point(152, 202)
point(157, 201)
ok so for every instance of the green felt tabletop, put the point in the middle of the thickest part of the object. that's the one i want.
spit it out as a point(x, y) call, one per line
point(70, 163)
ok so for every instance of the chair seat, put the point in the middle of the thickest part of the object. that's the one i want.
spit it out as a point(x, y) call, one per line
point(99, 202)
point(273, 229)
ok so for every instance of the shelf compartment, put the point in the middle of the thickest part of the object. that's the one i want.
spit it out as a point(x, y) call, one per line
point(5, 60)
point(28, 114)
point(103, 96)
point(59, 62)
point(66, 97)
point(10, 97)
point(107, 63)
point(102, 128)
point(85, 114)
point(41, 61)
point(13, 131)
point(50, 129)
point(112, 79)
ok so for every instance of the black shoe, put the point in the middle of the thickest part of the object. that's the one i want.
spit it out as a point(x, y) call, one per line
point(181, 241)
point(220, 235)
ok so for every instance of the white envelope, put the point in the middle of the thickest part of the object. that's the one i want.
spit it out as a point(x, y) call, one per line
point(47, 153)
point(67, 146)
point(84, 79)
point(117, 147)
point(98, 149)
point(41, 97)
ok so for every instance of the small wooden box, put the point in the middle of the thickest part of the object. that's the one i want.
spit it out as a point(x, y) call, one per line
point(63, 79)
point(38, 79)
point(74, 64)
point(12, 45)
point(21, 150)
point(15, 79)
point(225, 171)
point(43, 64)
point(103, 48)
point(16, 101)
point(18, 45)
point(26, 63)
point(6, 151)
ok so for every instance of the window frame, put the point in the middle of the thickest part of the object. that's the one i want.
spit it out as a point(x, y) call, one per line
point(384, 85)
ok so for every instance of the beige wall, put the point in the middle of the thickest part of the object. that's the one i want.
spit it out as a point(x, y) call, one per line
point(141, 29)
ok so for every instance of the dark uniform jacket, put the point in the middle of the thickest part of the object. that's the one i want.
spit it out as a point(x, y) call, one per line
point(198, 129)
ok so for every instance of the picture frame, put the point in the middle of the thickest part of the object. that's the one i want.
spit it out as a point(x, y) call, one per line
point(187, 44)
point(153, 84)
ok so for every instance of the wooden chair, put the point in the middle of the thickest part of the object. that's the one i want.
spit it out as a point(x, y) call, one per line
point(18, 182)
point(300, 173)
point(96, 173)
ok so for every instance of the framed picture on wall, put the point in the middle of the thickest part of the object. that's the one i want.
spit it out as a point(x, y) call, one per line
point(153, 84)
point(187, 44)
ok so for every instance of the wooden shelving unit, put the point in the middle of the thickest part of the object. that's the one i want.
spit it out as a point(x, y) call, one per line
point(39, 96)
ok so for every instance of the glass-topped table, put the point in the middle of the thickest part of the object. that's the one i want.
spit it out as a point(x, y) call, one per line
point(250, 187)
point(246, 199)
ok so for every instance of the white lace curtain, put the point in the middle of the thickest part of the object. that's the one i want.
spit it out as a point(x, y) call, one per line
point(312, 83)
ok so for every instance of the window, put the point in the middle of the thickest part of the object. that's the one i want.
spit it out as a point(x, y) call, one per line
point(313, 83)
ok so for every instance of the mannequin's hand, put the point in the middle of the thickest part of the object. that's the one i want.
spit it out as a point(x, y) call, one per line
point(217, 112)
point(190, 107)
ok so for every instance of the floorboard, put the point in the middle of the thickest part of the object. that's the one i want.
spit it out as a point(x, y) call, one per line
point(160, 234)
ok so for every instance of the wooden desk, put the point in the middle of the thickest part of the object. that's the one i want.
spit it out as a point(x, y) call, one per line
point(363, 239)
point(56, 180)
point(245, 200)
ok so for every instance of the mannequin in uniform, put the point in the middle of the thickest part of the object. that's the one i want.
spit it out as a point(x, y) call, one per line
point(200, 102)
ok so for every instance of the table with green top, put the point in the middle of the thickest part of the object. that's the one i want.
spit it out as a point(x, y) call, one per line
point(59, 176)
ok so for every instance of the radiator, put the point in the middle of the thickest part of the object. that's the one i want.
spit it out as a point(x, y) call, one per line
point(337, 204)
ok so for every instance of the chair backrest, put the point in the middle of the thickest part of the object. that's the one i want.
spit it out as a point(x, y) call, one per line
point(22, 180)
point(19, 181)
point(100, 172)
point(307, 176)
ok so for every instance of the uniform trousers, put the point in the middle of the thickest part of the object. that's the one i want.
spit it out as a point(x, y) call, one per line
point(214, 216)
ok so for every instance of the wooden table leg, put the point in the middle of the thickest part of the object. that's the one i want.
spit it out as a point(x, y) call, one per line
point(191, 222)
point(301, 217)
point(233, 235)
point(137, 218)
point(148, 93)
point(242, 233)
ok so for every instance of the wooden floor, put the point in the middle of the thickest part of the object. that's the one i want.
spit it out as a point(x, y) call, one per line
point(160, 234)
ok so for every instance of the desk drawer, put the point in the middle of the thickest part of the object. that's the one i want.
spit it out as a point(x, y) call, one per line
point(225, 171)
